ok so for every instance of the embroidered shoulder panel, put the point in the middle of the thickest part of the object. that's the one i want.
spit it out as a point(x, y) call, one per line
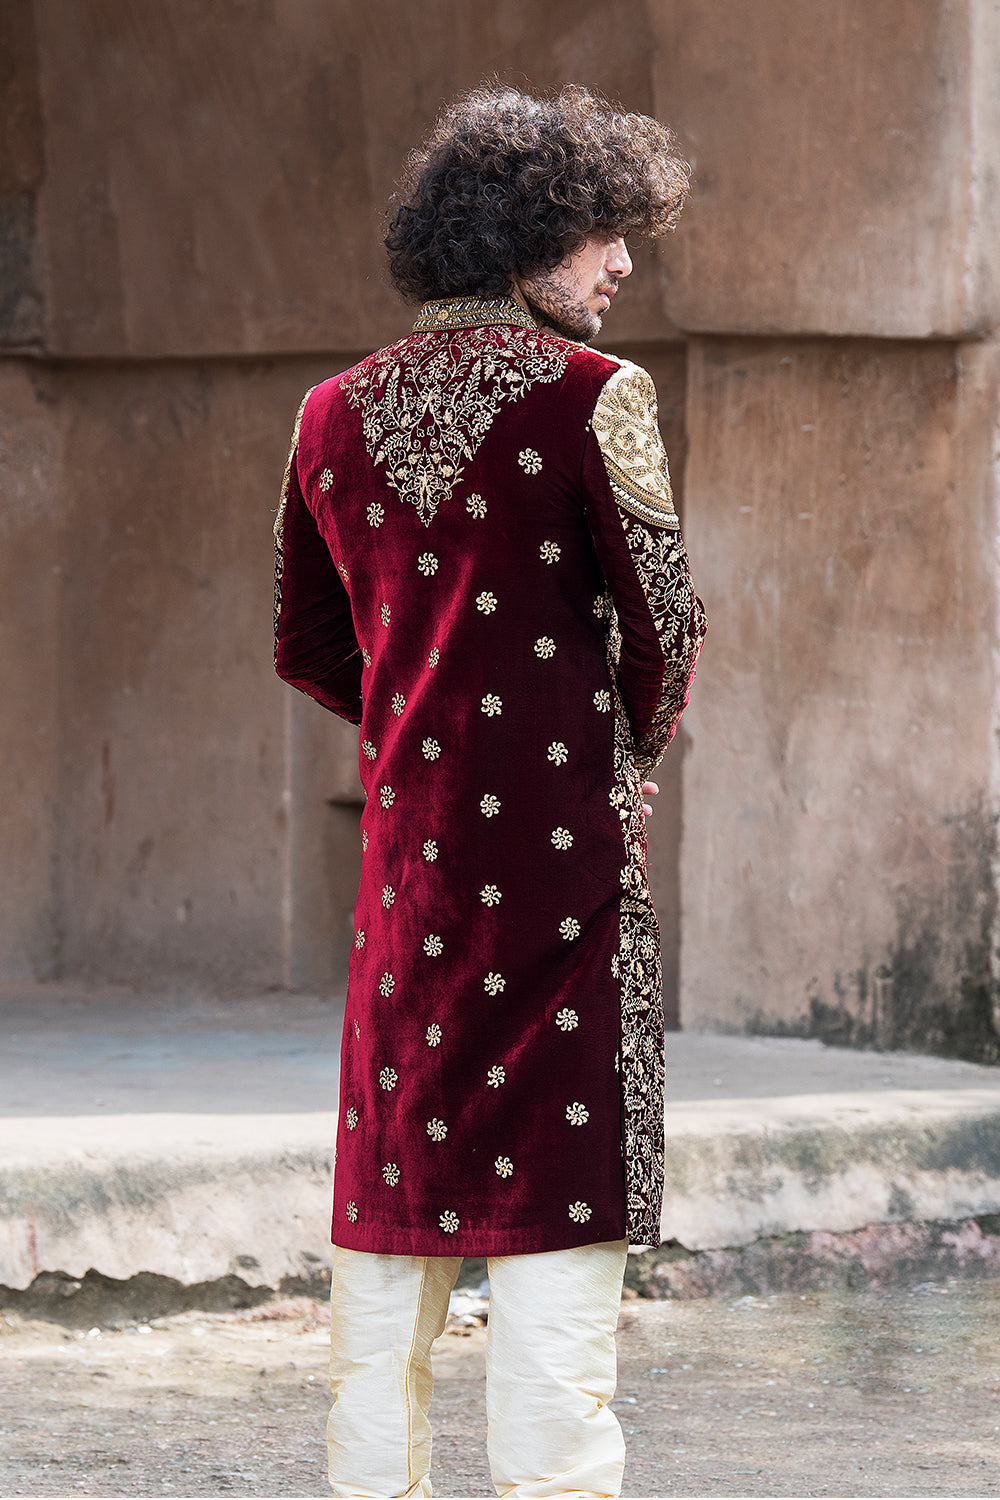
point(472, 312)
point(279, 523)
point(625, 426)
point(428, 402)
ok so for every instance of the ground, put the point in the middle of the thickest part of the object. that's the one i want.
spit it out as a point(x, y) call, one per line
point(848, 1394)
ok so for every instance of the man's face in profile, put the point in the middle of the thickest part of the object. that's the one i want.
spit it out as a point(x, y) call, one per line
point(574, 296)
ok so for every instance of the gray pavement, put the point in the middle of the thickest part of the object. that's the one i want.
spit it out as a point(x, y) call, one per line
point(103, 1052)
point(857, 1394)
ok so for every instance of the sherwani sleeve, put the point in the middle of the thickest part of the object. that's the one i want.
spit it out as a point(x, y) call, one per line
point(315, 645)
point(658, 623)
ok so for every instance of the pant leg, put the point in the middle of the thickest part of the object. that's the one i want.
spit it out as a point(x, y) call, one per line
point(386, 1311)
point(551, 1370)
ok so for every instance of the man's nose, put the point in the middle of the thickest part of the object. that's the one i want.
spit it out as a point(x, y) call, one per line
point(619, 262)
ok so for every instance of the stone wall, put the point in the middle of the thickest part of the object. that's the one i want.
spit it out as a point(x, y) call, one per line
point(191, 200)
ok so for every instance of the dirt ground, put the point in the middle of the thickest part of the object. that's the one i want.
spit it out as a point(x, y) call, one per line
point(835, 1394)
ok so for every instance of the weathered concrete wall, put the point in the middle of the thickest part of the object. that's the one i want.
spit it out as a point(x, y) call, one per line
point(226, 169)
point(192, 238)
point(31, 548)
point(22, 151)
point(845, 165)
point(841, 793)
point(152, 782)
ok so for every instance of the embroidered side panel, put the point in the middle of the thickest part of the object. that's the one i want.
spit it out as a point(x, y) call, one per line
point(625, 426)
point(661, 564)
point(279, 524)
point(428, 402)
point(641, 982)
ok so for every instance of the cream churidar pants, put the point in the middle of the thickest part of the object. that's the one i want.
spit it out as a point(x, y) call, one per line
point(550, 1370)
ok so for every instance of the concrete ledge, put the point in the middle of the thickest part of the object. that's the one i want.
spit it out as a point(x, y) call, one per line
point(199, 1198)
point(740, 1169)
point(190, 1197)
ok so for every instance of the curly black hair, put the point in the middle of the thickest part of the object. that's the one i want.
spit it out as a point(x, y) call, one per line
point(508, 184)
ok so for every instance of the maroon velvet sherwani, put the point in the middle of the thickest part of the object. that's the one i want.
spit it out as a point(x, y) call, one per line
point(479, 563)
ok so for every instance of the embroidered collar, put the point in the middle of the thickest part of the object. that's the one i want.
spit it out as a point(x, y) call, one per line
point(472, 312)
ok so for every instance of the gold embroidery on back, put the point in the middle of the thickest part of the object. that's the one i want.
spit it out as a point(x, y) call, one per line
point(428, 402)
point(624, 424)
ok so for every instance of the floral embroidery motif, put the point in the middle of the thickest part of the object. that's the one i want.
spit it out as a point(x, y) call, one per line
point(562, 838)
point(428, 402)
point(430, 851)
point(433, 946)
point(486, 602)
point(387, 796)
point(352, 1118)
point(490, 895)
point(386, 615)
point(434, 657)
point(357, 1031)
point(431, 749)
point(326, 480)
point(428, 564)
point(387, 984)
point(398, 704)
point(545, 647)
point(496, 1076)
point(494, 984)
point(602, 701)
point(364, 840)
point(579, 1212)
point(577, 1114)
point(388, 1078)
point(359, 941)
point(567, 1019)
point(550, 552)
point(437, 1130)
point(492, 705)
point(569, 928)
point(366, 657)
point(489, 805)
point(530, 461)
point(434, 1035)
point(449, 1221)
point(476, 506)
point(557, 753)
point(602, 605)
point(503, 1166)
point(391, 1173)
point(388, 896)
point(369, 749)
point(375, 514)
point(342, 570)
point(352, 1211)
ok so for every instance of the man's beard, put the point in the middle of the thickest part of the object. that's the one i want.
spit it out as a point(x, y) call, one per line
point(553, 305)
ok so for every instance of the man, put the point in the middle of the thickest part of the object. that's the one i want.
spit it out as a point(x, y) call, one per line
point(479, 563)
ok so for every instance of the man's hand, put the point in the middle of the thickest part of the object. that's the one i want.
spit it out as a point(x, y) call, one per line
point(649, 789)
